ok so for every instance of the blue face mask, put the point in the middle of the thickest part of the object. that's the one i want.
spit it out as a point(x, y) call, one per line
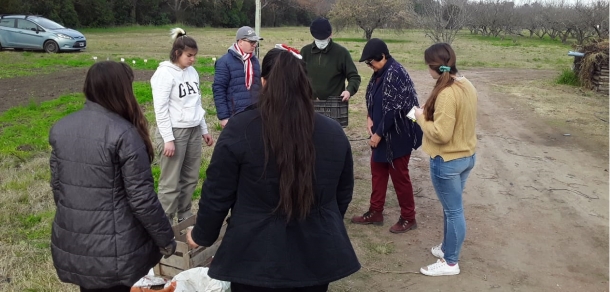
point(322, 44)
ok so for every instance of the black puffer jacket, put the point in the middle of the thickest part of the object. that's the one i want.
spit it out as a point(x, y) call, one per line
point(259, 247)
point(109, 224)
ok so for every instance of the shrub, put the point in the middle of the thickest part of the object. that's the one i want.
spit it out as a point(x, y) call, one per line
point(568, 77)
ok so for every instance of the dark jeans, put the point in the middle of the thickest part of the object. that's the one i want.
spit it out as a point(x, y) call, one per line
point(236, 287)
point(111, 289)
point(381, 172)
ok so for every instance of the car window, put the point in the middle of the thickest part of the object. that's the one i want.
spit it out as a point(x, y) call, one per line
point(46, 23)
point(26, 24)
point(7, 22)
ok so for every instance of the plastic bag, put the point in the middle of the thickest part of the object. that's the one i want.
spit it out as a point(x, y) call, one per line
point(150, 280)
point(197, 280)
point(170, 287)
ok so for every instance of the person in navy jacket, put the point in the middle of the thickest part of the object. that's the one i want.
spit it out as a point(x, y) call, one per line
point(237, 77)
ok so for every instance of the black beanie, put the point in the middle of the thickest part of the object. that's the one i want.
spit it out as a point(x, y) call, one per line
point(321, 29)
point(374, 48)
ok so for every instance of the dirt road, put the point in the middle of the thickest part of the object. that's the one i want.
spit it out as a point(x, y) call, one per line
point(536, 208)
point(536, 203)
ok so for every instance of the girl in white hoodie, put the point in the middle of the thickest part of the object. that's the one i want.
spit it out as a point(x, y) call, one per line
point(181, 126)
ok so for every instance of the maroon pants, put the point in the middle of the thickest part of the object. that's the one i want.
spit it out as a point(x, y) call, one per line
point(381, 171)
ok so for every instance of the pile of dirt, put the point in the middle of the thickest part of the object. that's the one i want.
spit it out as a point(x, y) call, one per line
point(593, 73)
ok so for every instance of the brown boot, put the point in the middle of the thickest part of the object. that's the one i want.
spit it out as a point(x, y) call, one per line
point(403, 225)
point(370, 217)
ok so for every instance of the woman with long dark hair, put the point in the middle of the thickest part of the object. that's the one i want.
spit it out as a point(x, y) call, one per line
point(448, 121)
point(286, 173)
point(109, 227)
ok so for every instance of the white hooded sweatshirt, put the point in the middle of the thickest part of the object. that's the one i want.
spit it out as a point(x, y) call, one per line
point(177, 99)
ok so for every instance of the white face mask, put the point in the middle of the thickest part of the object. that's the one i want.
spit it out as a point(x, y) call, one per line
point(322, 44)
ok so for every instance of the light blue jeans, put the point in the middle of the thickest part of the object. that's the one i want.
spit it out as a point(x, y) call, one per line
point(449, 179)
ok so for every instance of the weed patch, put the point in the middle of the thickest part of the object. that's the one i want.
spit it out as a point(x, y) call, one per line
point(15, 64)
point(24, 130)
point(37, 226)
point(381, 248)
point(568, 77)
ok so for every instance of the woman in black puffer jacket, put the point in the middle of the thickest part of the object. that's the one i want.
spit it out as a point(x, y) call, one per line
point(109, 228)
point(286, 173)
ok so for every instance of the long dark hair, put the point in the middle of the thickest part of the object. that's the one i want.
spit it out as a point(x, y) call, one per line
point(438, 55)
point(109, 84)
point(181, 43)
point(288, 121)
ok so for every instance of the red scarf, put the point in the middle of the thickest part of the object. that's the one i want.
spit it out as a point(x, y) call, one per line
point(248, 69)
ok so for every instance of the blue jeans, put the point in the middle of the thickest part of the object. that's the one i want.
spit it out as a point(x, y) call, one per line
point(449, 179)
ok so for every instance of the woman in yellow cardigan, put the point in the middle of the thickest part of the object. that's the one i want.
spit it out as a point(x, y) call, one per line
point(448, 121)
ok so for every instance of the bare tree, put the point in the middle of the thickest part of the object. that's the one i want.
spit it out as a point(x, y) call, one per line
point(489, 19)
point(441, 20)
point(592, 20)
point(530, 17)
point(584, 24)
point(599, 17)
point(265, 3)
point(369, 15)
point(474, 22)
point(178, 7)
point(317, 7)
point(557, 19)
point(511, 24)
point(273, 9)
point(504, 12)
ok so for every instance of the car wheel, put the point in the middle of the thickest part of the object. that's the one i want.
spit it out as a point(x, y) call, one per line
point(51, 47)
point(1, 47)
point(18, 49)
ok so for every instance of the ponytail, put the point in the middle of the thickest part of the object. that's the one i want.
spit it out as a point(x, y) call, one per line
point(440, 58)
point(441, 83)
point(181, 43)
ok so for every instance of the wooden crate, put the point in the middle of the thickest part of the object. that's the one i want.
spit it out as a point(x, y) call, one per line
point(185, 257)
point(601, 78)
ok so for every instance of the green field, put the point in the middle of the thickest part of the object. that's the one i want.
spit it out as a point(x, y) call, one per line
point(153, 43)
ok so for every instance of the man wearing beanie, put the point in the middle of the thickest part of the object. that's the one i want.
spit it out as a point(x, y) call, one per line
point(237, 79)
point(329, 64)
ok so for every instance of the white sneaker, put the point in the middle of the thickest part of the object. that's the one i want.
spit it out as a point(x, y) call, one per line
point(440, 268)
point(437, 251)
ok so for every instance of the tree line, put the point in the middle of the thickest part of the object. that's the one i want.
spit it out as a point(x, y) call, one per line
point(441, 20)
point(214, 13)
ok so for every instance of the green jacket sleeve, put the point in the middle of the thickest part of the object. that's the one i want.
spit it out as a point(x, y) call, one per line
point(304, 53)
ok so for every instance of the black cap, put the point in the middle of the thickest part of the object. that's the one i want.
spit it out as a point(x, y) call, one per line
point(374, 48)
point(321, 29)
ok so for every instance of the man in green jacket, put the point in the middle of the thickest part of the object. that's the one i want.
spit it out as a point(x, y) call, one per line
point(329, 64)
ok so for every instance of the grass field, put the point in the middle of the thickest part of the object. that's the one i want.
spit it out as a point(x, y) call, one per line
point(153, 43)
point(26, 200)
